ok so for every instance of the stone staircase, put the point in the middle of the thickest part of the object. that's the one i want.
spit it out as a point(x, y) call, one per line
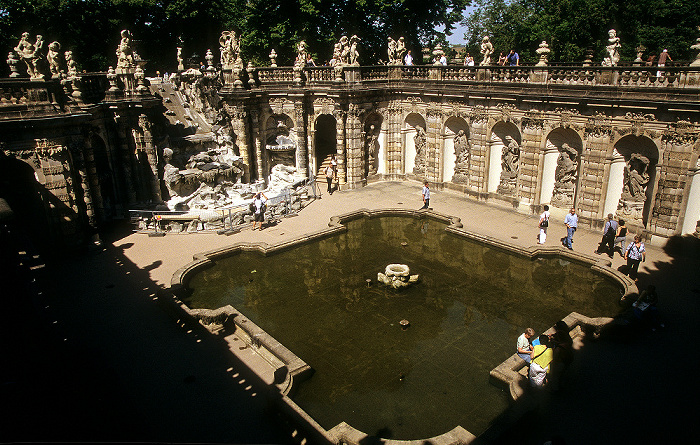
point(320, 174)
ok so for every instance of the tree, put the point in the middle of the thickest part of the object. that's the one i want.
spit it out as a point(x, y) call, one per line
point(570, 27)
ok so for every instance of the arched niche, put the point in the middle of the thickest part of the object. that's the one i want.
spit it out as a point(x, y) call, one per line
point(414, 130)
point(324, 141)
point(505, 149)
point(641, 155)
point(562, 164)
point(280, 142)
point(103, 179)
point(456, 151)
point(374, 145)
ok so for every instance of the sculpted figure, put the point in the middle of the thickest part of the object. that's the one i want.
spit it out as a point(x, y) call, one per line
point(400, 50)
point(510, 159)
point(613, 49)
point(391, 51)
point(636, 178)
point(228, 48)
point(353, 57)
point(302, 54)
point(419, 141)
point(486, 51)
point(344, 44)
point(125, 53)
point(566, 165)
point(71, 66)
point(55, 60)
point(25, 52)
point(461, 147)
point(371, 144)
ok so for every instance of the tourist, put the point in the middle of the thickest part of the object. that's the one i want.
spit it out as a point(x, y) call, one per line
point(650, 60)
point(408, 60)
point(469, 60)
point(608, 240)
point(571, 223)
point(259, 208)
point(563, 343)
point(513, 58)
point(310, 60)
point(645, 308)
point(443, 60)
point(426, 196)
point(523, 345)
point(330, 173)
point(621, 237)
point(662, 61)
point(334, 164)
point(635, 254)
point(502, 59)
point(540, 359)
point(544, 223)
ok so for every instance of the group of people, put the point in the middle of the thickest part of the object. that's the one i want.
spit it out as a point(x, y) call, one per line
point(614, 234)
point(512, 59)
point(545, 353)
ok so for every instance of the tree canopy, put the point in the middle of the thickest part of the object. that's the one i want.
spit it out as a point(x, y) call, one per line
point(90, 28)
point(571, 27)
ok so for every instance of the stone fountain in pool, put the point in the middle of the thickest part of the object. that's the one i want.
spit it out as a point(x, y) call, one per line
point(345, 362)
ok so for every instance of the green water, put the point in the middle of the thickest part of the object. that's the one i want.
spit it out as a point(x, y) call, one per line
point(472, 303)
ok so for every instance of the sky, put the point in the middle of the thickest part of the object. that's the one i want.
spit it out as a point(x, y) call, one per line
point(457, 37)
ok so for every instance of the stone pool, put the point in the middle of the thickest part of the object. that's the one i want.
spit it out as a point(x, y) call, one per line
point(472, 301)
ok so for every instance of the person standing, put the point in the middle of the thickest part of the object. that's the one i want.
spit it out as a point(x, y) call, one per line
point(662, 61)
point(408, 60)
point(259, 209)
point(426, 195)
point(634, 255)
point(571, 223)
point(621, 236)
point(544, 223)
point(608, 240)
point(541, 357)
point(329, 172)
point(513, 58)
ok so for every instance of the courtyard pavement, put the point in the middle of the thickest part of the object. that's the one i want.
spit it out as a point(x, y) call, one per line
point(100, 357)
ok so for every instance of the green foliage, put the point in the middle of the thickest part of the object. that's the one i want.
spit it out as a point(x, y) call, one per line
point(90, 28)
point(570, 27)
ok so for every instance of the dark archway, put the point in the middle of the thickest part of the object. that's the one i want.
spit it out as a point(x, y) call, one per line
point(106, 209)
point(324, 141)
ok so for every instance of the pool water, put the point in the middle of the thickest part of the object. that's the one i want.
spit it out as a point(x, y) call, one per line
point(465, 315)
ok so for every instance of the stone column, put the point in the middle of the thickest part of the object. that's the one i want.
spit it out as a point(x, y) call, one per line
point(94, 182)
point(549, 169)
point(616, 182)
point(125, 157)
point(256, 134)
point(77, 148)
point(340, 147)
point(692, 209)
point(302, 162)
point(238, 117)
point(433, 146)
point(151, 154)
point(354, 159)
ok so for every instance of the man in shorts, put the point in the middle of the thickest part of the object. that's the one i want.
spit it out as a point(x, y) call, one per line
point(259, 209)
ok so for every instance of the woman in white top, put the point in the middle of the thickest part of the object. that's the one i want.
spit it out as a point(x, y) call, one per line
point(544, 223)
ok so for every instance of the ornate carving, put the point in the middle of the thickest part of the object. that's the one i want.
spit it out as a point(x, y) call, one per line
point(565, 177)
point(533, 119)
point(324, 105)
point(510, 166)
point(478, 114)
point(420, 142)
point(462, 158)
point(32, 55)
point(612, 49)
point(371, 148)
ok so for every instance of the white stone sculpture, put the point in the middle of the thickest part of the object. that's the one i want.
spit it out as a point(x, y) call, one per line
point(420, 140)
point(32, 55)
point(273, 58)
point(486, 51)
point(55, 60)
point(125, 53)
point(462, 155)
point(230, 50)
point(696, 47)
point(397, 276)
point(71, 66)
point(612, 49)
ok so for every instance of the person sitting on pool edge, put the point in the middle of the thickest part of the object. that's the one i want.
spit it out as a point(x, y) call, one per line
point(523, 345)
point(540, 359)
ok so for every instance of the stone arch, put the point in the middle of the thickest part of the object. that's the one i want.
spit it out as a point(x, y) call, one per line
point(280, 142)
point(27, 198)
point(502, 135)
point(102, 179)
point(562, 165)
point(638, 179)
point(413, 125)
point(374, 145)
point(456, 156)
point(324, 142)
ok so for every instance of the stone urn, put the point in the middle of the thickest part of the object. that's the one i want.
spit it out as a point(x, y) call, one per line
point(397, 276)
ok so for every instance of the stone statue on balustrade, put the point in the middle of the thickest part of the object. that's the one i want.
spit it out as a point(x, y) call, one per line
point(56, 60)
point(372, 148)
point(345, 52)
point(71, 66)
point(230, 48)
point(543, 51)
point(565, 177)
point(354, 54)
point(33, 56)
point(636, 180)
point(612, 49)
point(462, 158)
point(486, 51)
point(420, 142)
point(125, 54)
point(302, 55)
point(396, 51)
point(510, 166)
point(696, 47)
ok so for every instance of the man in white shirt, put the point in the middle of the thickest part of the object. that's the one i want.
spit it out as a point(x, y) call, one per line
point(408, 60)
